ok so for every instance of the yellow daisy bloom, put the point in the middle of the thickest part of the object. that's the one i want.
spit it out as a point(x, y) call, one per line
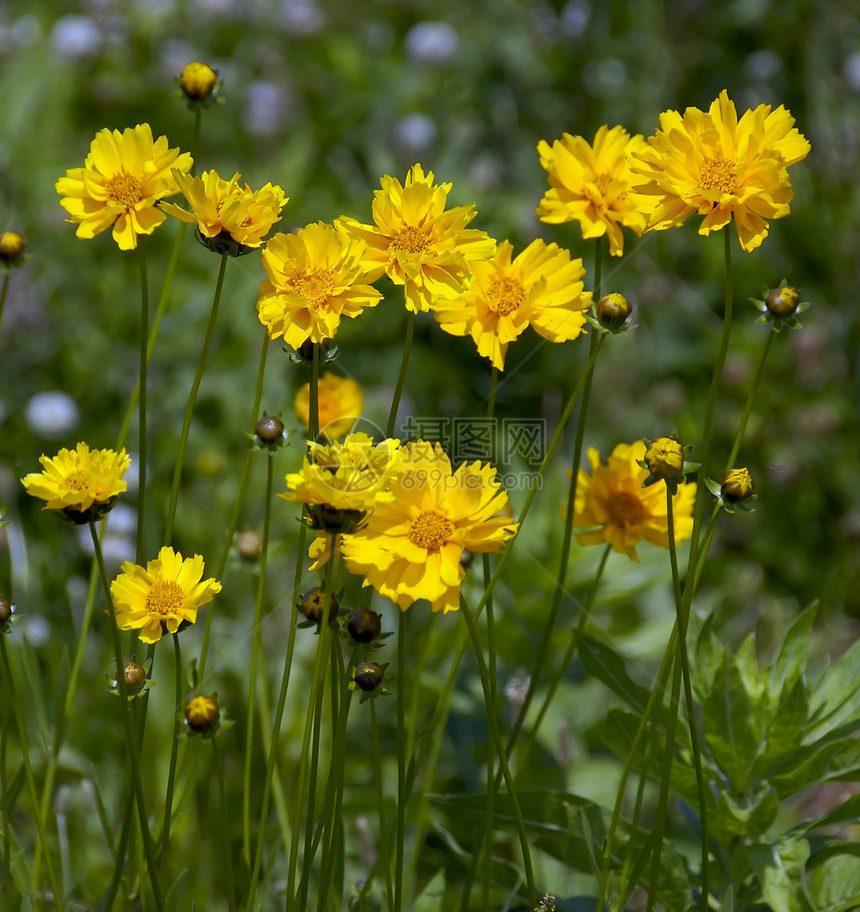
point(623, 513)
point(340, 401)
point(227, 213)
point(591, 184)
point(721, 167)
point(161, 597)
point(315, 277)
point(542, 287)
point(419, 243)
point(340, 482)
point(83, 483)
point(123, 178)
point(410, 546)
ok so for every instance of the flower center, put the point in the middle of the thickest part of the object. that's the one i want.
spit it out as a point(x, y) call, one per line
point(430, 530)
point(124, 190)
point(315, 286)
point(720, 174)
point(412, 240)
point(165, 598)
point(508, 294)
point(625, 509)
point(77, 481)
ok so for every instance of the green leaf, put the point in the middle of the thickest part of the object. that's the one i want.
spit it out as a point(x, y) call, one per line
point(174, 894)
point(832, 760)
point(834, 885)
point(603, 663)
point(780, 870)
point(834, 699)
point(430, 898)
point(710, 654)
point(783, 730)
point(728, 903)
point(848, 810)
point(728, 725)
point(749, 817)
point(790, 662)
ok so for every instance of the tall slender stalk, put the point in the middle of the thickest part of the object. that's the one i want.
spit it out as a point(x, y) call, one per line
point(742, 426)
point(174, 747)
point(380, 806)
point(402, 636)
point(224, 826)
point(141, 410)
point(401, 376)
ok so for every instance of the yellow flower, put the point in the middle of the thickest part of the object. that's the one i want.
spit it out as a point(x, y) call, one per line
point(339, 404)
point(542, 287)
point(410, 546)
point(417, 242)
point(315, 277)
point(623, 513)
point(123, 178)
point(83, 483)
point(340, 482)
point(226, 212)
point(721, 167)
point(591, 184)
point(164, 595)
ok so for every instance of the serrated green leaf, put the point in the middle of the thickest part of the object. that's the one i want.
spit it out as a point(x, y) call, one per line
point(790, 662)
point(834, 885)
point(747, 665)
point(603, 663)
point(829, 761)
point(783, 730)
point(834, 698)
point(729, 726)
point(710, 654)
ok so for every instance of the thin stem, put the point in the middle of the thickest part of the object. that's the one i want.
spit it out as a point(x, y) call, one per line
point(402, 636)
point(189, 408)
point(705, 545)
point(313, 396)
point(4, 292)
point(174, 748)
point(141, 412)
point(500, 752)
point(736, 446)
point(224, 826)
point(130, 729)
point(4, 783)
point(688, 694)
point(401, 377)
point(255, 650)
point(380, 804)
point(10, 698)
point(237, 504)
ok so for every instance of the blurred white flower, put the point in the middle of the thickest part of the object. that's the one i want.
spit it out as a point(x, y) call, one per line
point(302, 17)
point(415, 133)
point(431, 42)
point(76, 37)
point(52, 414)
point(574, 18)
point(763, 65)
point(851, 71)
point(268, 106)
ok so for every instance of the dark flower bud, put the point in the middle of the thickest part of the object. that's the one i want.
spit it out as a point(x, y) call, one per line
point(613, 310)
point(368, 676)
point(782, 301)
point(313, 602)
point(201, 713)
point(364, 625)
point(135, 678)
point(7, 609)
point(737, 485)
point(269, 429)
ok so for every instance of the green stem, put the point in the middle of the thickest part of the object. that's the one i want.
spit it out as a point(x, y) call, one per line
point(736, 446)
point(255, 650)
point(141, 413)
point(189, 408)
point(402, 636)
point(174, 748)
point(10, 698)
point(706, 544)
point(4, 292)
point(130, 729)
point(380, 804)
point(313, 396)
point(4, 782)
point(500, 752)
point(224, 826)
point(237, 504)
point(401, 377)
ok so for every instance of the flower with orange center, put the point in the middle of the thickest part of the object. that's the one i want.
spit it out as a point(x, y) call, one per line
point(411, 545)
point(721, 167)
point(82, 483)
point(165, 594)
point(591, 184)
point(615, 507)
point(340, 401)
point(315, 277)
point(124, 177)
point(541, 288)
point(419, 243)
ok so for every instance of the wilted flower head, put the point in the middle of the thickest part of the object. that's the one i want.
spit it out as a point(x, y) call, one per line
point(82, 483)
point(230, 218)
point(419, 243)
point(591, 184)
point(542, 288)
point(721, 167)
point(124, 176)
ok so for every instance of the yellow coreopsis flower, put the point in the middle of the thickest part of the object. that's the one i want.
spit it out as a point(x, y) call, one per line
point(340, 482)
point(623, 513)
point(167, 593)
point(591, 184)
point(541, 288)
point(123, 178)
point(231, 217)
point(721, 167)
point(340, 401)
point(411, 545)
point(82, 483)
point(419, 243)
point(315, 277)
